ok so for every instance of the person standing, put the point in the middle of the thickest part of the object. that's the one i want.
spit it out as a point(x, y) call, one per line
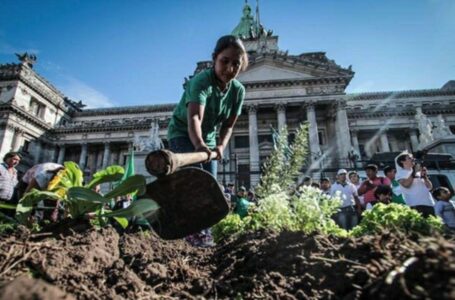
point(347, 216)
point(212, 98)
point(368, 186)
point(416, 186)
point(354, 178)
point(9, 181)
point(390, 172)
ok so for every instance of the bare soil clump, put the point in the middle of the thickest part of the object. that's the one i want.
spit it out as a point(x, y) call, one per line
point(90, 263)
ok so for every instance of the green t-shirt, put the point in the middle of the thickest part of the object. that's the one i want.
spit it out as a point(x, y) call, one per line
point(241, 207)
point(219, 106)
point(397, 197)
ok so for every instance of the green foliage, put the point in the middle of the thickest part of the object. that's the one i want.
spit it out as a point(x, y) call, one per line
point(110, 174)
point(396, 217)
point(133, 184)
point(144, 208)
point(284, 164)
point(29, 201)
point(309, 211)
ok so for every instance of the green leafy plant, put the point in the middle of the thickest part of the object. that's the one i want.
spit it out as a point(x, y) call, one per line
point(396, 217)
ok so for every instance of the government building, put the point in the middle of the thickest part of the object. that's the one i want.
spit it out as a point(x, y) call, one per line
point(282, 89)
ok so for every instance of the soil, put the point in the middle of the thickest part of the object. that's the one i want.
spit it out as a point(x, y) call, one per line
point(89, 263)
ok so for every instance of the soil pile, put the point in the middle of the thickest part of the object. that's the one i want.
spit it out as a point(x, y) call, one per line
point(101, 264)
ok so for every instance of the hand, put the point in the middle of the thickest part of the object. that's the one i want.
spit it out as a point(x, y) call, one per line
point(424, 173)
point(219, 152)
point(204, 148)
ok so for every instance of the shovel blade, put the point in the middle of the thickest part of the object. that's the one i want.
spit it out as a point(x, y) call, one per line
point(190, 200)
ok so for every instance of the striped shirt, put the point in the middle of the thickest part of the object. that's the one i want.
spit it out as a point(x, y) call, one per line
point(8, 182)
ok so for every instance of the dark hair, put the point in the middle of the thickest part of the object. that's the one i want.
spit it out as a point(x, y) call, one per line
point(11, 154)
point(382, 190)
point(401, 158)
point(325, 179)
point(227, 41)
point(388, 169)
point(352, 173)
point(438, 191)
point(315, 184)
point(371, 167)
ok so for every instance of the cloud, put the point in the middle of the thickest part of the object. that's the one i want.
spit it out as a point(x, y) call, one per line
point(77, 90)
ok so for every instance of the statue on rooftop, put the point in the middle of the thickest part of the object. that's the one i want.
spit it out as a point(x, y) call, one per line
point(425, 128)
point(441, 130)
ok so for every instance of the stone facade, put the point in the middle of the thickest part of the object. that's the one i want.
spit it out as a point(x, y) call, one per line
point(281, 89)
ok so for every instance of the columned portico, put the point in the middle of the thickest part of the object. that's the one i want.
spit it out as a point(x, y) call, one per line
point(385, 147)
point(254, 149)
point(106, 155)
point(313, 132)
point(83, 157)
point(355, 142)
point(414, 139)
point(281, 113)
point(342, 132)
point(61, 154)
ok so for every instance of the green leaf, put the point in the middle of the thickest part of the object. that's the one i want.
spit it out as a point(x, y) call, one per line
point(111, 173)
point(122, 221)
point(29, 201)
point(138, 208)
point(135, 183)
point(85, 194)
point(7, 206)
point(73, 174)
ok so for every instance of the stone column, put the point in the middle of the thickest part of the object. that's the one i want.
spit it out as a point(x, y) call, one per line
point(15, 144)
point(106, 154)
point(281, 112)
point(355, 142)
point(313, 132)
point(342, 131)
point(6, 140)
point(254, 147)
point(83, 157)
point(385, 147)
point(414, 139)
point(61, 155)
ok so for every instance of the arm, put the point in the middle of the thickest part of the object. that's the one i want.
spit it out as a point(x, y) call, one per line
point(195, 117)
point(363, 188)
point(408, 181)
point(426, 180)
point(225, 135)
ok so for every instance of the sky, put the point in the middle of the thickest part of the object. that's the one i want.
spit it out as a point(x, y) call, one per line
point(138, 52)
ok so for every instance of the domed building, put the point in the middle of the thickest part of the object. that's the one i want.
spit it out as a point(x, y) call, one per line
point(282, 89)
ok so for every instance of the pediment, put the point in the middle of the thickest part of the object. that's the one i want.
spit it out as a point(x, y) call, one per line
point(268, 72)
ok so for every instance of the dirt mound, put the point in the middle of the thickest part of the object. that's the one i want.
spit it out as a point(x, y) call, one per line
point(26, 288)
point(101, 264)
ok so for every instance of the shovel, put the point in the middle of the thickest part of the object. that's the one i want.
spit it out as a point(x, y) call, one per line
point(190, 199)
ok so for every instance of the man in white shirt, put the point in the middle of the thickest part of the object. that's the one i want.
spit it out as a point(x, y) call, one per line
point(347, 217)
point(415, 186)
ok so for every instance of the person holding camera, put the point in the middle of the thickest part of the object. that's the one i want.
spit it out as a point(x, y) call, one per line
point(415, 185)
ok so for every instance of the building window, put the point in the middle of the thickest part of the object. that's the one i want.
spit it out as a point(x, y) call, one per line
point(37, 108)
point(242, 141)
point(321, 136)
point(265, 138)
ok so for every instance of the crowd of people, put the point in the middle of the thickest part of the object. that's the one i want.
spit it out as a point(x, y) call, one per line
point(405, 184)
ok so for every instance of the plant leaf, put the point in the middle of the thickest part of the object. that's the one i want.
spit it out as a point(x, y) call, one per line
point(73, 174)
point(122, 221)
point(129, 185)
point(30, 200)
point(111, 173)
point(138, 208)
point(85, 194)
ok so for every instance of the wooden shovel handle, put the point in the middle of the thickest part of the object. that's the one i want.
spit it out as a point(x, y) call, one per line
point(164, 162)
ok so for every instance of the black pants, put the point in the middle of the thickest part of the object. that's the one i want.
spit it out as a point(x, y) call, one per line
point(425, 210)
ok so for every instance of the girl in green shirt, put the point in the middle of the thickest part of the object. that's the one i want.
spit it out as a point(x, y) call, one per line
point(212, 98)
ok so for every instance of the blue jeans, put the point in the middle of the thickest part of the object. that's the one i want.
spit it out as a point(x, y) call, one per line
point(184, 145)
point(346, 218)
